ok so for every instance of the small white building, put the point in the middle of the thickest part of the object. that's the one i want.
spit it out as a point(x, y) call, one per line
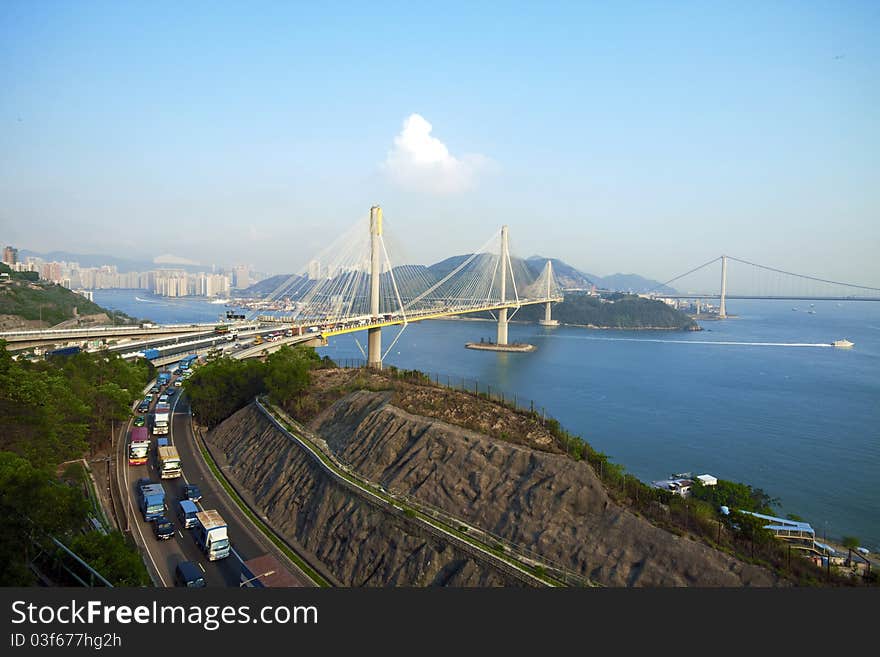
point(707, 480)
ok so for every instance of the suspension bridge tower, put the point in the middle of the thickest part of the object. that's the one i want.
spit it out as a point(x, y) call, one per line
point(722, 306)
point(548, 318)
point(374, 335)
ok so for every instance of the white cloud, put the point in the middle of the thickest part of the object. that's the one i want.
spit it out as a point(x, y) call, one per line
point(423, 162)
point(169, 259)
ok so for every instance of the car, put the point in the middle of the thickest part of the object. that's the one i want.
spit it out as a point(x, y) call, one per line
point(148, 397)
point(144, 406)
point(178, 383)
point(189, 574)
point(163, 398)
point(163, 528)
point(192, 492)
point(170, 392)
point(177, 371)
point(140, 421)
point(155, 389)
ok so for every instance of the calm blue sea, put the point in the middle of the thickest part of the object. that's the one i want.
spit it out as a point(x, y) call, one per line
point(800, 422)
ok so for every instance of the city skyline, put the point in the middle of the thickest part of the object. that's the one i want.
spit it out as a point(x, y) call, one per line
point(615, 140)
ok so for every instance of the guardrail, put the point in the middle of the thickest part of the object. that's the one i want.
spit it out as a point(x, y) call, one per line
point(521, 573)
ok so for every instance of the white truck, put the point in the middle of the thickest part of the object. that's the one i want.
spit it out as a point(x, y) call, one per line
point(211, 536)
point(161, 417)
point(169, 462)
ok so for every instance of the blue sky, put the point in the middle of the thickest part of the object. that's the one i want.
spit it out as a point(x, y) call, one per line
point(636, 137)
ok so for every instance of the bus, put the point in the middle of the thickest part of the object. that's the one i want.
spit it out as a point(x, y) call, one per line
point(139, 446)
point(187, 361)
point(221, 328)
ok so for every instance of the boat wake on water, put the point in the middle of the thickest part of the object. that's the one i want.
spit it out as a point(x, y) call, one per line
point(715, 342)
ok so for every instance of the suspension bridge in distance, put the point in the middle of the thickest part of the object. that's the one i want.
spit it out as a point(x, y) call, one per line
point(769, 283)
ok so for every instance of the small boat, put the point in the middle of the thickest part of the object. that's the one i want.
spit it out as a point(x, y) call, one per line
point(846, 344)
point(795, 309)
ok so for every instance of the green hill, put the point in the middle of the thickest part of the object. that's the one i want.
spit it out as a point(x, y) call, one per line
point(26, 299)
point(625, 311)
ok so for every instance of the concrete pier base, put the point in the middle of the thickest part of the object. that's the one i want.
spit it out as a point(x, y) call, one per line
point(491, 346)
point(374, 348)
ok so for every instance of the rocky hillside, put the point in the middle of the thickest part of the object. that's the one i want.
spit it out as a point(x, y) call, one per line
point(541, 500)
point(527, 494)
point(360, 542)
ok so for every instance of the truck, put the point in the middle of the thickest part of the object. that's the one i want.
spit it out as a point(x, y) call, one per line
point(164, 378)
point(138, 446)
point(169, 462)
point(211, 535)
point(150, 354)
point(64, 351)
point(161, 417)
point(152, 499)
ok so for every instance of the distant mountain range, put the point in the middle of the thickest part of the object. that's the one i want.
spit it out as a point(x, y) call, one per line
point(567, 276)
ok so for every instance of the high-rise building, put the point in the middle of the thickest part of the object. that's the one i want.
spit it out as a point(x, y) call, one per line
point(10, 255)
point(314, 270)
point(241, 276)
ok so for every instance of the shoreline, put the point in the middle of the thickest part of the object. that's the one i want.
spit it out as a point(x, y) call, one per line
point(586, 326)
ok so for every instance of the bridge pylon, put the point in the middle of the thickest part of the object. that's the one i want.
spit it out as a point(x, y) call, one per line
point(502, 314)
point(548, 317)
point(374, 335)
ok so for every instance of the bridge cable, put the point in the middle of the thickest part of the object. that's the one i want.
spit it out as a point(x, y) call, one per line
point(788, 273)
point(672, 280)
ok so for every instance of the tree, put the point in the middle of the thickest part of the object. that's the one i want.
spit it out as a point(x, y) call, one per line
point(850, 543)
point(287, 375)
point(34, 506)
point(111, 556)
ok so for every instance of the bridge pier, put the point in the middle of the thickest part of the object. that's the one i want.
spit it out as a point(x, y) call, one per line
point(548, 316)
point(374, 335)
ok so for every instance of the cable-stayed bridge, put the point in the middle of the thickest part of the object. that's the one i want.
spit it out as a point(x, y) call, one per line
point(736, 278)
point(353, 286)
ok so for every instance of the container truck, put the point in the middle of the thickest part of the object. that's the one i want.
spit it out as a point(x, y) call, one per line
point(161, 415)
point(169, 462)
point(211, 536)
point(152, 498)
point(138, 446)
point(150, 354)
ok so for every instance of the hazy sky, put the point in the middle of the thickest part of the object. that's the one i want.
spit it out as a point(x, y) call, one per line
point(635, 137)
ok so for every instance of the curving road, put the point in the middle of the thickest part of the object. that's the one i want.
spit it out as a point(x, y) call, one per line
point(163, 556)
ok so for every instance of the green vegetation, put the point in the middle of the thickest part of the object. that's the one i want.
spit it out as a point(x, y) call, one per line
point(625, 311)
point(55, 411)
point(734, 496)
point(31, 299)
point(224, 385)
point(111, 556)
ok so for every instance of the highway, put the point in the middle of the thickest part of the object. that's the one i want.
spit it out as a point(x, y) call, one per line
point(163, 556)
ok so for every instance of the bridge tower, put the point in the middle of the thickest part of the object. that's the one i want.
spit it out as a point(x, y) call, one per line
point(722, 308)
point(548, 318)
point(374, 337)
point(502, 314)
